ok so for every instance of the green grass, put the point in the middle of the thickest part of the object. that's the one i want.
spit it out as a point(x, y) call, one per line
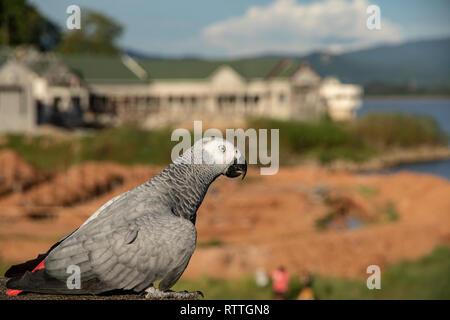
point(390, 212)
point(323, 222)
point(322, 140)
point(426, 278)
point(244, 288)
point(3, 267)
point(129, 145)
point(386, 130)
point(44, 152)
point(357, 141)
point(210, 243)
point(122, 145)
point(366, 191)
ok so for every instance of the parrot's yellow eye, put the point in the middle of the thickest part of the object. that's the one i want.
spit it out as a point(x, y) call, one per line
point(222, 148)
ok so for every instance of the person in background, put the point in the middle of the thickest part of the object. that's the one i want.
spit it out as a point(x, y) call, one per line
point(307, 292)
point(280, 282)
point(261, 278)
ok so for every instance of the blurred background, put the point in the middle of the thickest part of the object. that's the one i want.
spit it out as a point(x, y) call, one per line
point(363, 113)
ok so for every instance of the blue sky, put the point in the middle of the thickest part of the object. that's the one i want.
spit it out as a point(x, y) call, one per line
point(238, 28)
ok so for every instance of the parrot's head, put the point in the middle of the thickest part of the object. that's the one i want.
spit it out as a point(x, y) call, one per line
point(220, 154)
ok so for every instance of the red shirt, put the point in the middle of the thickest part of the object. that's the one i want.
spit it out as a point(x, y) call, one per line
point(280, 281)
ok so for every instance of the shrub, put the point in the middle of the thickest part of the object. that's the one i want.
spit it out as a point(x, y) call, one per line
point(323, 139)
point(385, 130)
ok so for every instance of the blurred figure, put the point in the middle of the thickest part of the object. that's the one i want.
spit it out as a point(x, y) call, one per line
point(261, 277)
point(280, 283)
point(307, 292)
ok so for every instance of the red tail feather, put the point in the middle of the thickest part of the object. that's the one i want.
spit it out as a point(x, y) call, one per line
point(14, 292)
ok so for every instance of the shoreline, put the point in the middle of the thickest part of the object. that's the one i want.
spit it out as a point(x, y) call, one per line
point(406, 97)
point(392, 159)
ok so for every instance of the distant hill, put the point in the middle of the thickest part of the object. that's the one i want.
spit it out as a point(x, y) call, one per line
point(418, 63)
point(396, 68)
point(136, 54)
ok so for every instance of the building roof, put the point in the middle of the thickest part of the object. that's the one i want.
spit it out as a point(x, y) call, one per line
point(112, 69)
point(44, 64)
point(34, 60)
point(105, 69)
point(100, 68)
point(201, 69)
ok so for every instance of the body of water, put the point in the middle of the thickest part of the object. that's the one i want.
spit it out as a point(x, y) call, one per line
point(439, 168)
point(437, 108)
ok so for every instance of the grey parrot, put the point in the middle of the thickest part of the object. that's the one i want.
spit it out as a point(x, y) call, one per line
point(139, 237)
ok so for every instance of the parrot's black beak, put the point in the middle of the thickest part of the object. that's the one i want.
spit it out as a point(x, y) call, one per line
point(236, 169)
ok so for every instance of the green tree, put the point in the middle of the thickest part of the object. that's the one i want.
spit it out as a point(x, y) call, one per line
point(21, 23)
point(98, 34)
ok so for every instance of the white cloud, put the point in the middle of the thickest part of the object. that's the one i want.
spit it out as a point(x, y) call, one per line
point(290, 27)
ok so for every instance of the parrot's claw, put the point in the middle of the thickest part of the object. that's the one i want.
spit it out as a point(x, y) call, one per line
point(156, 294)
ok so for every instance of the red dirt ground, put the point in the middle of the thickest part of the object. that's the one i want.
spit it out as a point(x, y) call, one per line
point(15, 173)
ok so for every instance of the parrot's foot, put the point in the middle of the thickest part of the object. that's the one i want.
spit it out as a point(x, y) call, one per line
point(154, 293)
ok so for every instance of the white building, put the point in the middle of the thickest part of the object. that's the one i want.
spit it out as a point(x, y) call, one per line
point(342, 100)
point(113, 90)
point(37, 89)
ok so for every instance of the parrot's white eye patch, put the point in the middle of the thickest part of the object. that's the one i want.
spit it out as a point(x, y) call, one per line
point(222, 148)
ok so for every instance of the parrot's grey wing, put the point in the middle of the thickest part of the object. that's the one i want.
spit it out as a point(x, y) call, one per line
point(126, 206)
point(131, 255)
